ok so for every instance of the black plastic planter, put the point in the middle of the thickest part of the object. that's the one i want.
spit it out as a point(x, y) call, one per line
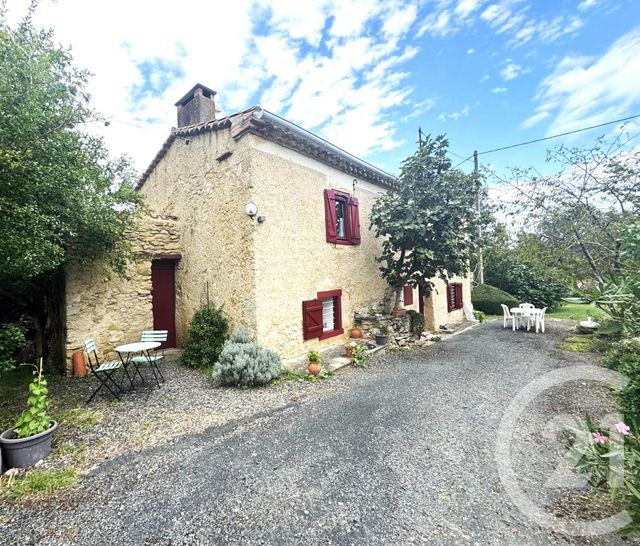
point(23, 452)
point(381, 339)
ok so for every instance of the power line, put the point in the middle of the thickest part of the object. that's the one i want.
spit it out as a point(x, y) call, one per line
point(546, 138)
point(559, 135)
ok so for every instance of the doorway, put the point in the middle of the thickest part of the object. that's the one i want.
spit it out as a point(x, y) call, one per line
point(163, 297)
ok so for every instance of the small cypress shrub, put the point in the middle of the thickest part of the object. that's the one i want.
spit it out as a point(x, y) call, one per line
point(208, 331)
point(244, 363)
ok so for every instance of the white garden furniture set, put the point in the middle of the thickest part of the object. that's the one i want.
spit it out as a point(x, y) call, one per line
point(526, 314)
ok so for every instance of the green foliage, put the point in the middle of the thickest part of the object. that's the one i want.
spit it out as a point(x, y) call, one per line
point(296, 375)
point(428, 226)
point(38, 482)
point(35, 419)
point(244, 363)
point(208, 332)
point(488, 298)
point(480, 316)
point(522, 278)
point(600, 455)
point(624, 357)
point(62, 198)
point(11, 340)
point(359, 356)
point(578, 344)
point(313, 356)
point(417, 322)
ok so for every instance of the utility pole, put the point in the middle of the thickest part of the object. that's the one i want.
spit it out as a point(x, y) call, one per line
point(476, 176)
point(420, 136)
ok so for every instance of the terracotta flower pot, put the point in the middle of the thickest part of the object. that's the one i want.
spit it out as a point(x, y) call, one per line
point(355, 332)
point(398, 312)
point(348, 351)
point(314, 368)
point(79, 365)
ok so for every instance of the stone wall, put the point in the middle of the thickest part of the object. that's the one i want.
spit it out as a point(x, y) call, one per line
point(208, 195)
point(114, 309)
point(398, 328)
point(293, 260)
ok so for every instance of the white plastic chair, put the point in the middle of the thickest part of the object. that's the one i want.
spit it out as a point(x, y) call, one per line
point(540, 321)
point(506, 315)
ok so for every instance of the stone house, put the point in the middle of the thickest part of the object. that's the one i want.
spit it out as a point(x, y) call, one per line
point(256, 214)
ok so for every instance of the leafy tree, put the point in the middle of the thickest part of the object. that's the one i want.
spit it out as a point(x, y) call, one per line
point(580, 213)
point(62, 199)
point(428, 225)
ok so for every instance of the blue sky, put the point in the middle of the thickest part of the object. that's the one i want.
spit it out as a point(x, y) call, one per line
point(363, 73)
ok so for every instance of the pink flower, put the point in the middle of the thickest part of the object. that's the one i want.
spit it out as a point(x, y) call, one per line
point(599, 438)
point(622, 428)
point(581, 285)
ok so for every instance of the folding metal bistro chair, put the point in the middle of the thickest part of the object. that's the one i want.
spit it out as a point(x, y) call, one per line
point(153, 356)
point(103, 371)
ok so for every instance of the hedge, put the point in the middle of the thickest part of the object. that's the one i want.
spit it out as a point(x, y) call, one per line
point(488, 298)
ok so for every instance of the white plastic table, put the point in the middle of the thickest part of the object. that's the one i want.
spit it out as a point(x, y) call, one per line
point(131, 349)
point(521, 312)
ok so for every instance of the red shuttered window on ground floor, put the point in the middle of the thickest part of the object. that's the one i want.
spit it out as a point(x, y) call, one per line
point(454, 296)
point(322, 316)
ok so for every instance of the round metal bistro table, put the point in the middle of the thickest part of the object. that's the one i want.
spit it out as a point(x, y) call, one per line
point(129, 350)
point(521, 312)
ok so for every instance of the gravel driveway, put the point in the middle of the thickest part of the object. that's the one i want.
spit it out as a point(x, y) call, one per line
point(402, 452)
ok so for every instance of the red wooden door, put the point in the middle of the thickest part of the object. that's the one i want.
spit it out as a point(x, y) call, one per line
point(163, 297)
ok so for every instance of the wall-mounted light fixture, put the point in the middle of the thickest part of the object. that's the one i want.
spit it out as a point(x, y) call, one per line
point(262, 219)
point(355, 183)
point(251, 209)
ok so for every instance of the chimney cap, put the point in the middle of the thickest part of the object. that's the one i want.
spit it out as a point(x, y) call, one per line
point(206, 91)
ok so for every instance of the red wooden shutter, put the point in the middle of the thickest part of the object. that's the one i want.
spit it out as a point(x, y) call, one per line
point(458, 286)
point(330, 215)
point(311, 319)
point(407, 295)
point(354, 221)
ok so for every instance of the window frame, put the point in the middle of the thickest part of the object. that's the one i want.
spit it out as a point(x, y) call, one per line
point(351, 208)
point(458, 302)
point(344, 198)
point(337, 312)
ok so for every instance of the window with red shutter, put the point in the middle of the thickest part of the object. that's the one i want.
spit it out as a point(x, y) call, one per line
point(407, 295)
point(342, 218)
point(311, 319)
point(322, 317)
point(330, 215)
point(454, 296)
point(354, 221)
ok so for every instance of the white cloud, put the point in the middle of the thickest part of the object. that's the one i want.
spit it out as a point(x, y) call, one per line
point(438, 24)
point(586, 91)
point(420, 108)
point(467, 7)
point(470, 51)
point(587, 4)
point(454, 115)
point(499, 90)
point(512, 70)
point(329, 65)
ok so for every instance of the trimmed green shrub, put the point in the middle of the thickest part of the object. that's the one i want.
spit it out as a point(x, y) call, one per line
point(208, 331)
point(488, 298)
point(244, 363)
point(527, 282)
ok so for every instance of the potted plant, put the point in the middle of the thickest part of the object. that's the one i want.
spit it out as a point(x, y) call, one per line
point(348, 349)
point(359, 356)
point(383, 336)
point(355, 332)
point(29, 440)
point(315, 364)
point(398, 312)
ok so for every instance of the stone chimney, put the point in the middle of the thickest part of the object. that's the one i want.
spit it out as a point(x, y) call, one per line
point(197, 106)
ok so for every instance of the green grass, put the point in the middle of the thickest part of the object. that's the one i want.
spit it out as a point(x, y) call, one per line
point(80, 418)
point(40, 482)
point(296, 375)
point(576, 311)
point(579, 344)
